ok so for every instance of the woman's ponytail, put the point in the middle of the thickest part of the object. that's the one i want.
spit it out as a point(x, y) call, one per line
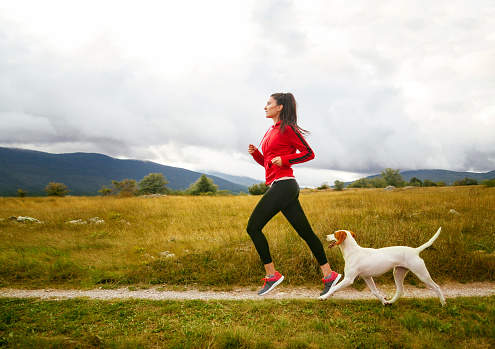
point(288, 115)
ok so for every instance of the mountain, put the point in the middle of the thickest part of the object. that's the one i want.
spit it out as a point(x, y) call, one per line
point(86, 173)
point(449, 177)
point(247, 181)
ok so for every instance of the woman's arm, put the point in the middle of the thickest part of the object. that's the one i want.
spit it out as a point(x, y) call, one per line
point(305, 153)
point(260, 159)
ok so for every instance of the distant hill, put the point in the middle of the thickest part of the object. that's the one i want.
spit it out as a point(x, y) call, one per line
point(247, 181)
point(449, 177)
point(86, 173)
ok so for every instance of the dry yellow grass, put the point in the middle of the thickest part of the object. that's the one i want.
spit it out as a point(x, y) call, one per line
point(207, 236)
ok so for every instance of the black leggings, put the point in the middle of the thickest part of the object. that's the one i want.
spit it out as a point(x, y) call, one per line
point(282, 196)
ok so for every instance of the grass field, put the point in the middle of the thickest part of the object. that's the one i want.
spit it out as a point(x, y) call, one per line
point(207, 236)
point(463, 323)
point(211, 250)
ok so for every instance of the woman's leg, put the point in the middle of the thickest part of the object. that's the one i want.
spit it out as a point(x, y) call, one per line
point(297, 218)
point(273, 201)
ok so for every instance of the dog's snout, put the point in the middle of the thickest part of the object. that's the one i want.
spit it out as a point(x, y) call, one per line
point(331, 237)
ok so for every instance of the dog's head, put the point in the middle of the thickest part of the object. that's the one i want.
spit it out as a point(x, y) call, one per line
point(338, 237)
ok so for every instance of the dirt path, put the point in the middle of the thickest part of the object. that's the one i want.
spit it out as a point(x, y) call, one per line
point(449, 290)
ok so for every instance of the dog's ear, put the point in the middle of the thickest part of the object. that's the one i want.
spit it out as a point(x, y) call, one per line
point(340, 236)
point(352, 234)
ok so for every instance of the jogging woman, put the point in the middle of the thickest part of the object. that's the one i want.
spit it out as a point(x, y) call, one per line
point(283, 146)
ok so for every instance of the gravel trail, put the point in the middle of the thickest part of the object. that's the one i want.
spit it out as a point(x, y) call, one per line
point(450, 290)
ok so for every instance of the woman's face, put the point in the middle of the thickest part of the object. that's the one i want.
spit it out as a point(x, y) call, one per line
point(272, 109)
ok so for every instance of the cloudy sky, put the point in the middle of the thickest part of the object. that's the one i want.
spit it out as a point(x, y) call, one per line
point(380, 84)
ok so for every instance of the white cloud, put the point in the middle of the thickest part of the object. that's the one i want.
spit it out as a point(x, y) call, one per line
point(405, 85)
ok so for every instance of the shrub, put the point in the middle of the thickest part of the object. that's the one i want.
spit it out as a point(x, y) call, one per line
point(416, 182)
point(56, 189)
point(466, 181)
point(429, 183)
point(203, 186)
point(489, 183)
point(392, 177)
point(104, 191)
point(127, 187)
point(258, 189)
point(339, 185)
point(154, 183)
point(323, 186)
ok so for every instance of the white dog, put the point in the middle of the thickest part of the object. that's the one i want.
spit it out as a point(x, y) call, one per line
point(369, 263)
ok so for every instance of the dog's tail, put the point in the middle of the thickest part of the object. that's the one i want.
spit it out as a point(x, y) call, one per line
point(429, 243)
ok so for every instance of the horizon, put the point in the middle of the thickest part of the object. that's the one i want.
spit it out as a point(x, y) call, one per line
point(256, 181)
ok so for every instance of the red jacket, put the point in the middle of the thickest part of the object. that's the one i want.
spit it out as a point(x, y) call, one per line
point(290, 146)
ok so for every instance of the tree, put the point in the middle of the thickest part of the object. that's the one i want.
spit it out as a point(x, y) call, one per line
point(203, 186)
point(466, 181)
point(154, 183)
point(377, 182)
point(393, 177)
point(56, 189)
point(323, 186)
point(22, 193)
point(488, 183)
point(258, 189)
point(128, 187)
point(359, 183)
point(339, 185)
point(429, 183)
point(415, 182)
point(105, 191)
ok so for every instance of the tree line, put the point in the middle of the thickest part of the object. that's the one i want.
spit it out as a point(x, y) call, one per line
point(156, 183)
point(391, 177)
point(152, 184)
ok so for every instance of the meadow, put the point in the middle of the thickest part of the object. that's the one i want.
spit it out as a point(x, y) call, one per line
point(201, 243)
point(209, 244)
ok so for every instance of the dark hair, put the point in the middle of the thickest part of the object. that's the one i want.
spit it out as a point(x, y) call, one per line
point(288, 115)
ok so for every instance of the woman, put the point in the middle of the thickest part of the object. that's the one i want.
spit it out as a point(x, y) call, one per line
point(283, 146)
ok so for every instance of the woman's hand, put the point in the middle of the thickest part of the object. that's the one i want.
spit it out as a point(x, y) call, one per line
point(251, 149)
point(277, 161)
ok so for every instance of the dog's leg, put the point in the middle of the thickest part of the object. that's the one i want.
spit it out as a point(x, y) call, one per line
point(371, 284)
point(399, 275)
point(347, 281)
point(419, 269)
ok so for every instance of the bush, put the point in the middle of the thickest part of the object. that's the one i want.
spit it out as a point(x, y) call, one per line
point(392, 177)
point(203, 186)
point(128, 187)
point(466, 181)
point(378, 182)
point(429, 183)
point(415, 182)
point(105, 191)
point(489, 183)
point(323, 186)
point(258, 189)
point(56, 189)
point(339, 185)
point(154, 183)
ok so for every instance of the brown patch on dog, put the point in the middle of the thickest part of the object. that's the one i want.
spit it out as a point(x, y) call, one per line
point(340, 235)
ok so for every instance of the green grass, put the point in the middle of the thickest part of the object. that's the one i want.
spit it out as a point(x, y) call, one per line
point(213, 251)
point(207, 236)
point(80, 323)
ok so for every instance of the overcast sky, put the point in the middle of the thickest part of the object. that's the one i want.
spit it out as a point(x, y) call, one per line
point(380, 84)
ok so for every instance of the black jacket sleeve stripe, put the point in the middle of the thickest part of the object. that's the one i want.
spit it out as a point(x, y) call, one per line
point(303, 141)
